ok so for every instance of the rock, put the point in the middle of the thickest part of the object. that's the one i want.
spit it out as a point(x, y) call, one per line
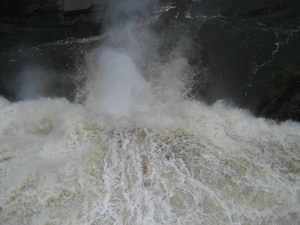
point(281, 101)
point(30, 41)
point(296, 99)
point(237, 42)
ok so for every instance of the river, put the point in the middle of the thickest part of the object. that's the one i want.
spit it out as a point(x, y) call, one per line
point(139, 150)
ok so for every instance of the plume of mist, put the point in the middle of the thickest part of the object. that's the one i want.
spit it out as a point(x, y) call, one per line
point(121, 87)
point(123, 22)
point(3, 102)
point(32, 83)
point(120, 12)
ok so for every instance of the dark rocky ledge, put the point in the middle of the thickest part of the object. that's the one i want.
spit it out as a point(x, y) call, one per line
point(281, 100)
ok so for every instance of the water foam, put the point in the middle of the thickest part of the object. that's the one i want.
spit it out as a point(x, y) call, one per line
point(193, 164)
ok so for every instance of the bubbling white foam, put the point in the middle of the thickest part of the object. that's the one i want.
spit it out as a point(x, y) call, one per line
point(192, 164)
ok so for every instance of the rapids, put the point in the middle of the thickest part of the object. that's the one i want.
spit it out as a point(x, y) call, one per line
point(188, 163)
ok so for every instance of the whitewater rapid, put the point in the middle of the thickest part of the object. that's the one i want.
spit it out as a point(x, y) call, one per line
point(62, 163)
point(137, 151)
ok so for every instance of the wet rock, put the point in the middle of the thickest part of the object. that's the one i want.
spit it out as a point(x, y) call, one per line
point(30, 31)
point(281, 101)
point(239, 43)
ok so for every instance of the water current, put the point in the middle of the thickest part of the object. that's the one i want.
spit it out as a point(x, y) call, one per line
point(139, 152)
point(187, 164)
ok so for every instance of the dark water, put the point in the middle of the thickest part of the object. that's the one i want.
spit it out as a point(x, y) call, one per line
point(239, 44)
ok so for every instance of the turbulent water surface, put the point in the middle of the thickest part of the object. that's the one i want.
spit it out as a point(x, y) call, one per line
point(137, 150)
point(186, 164)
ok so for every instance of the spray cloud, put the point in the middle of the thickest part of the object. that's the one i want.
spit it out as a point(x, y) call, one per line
point(121, 89)
point(121, 86)
point(32, 83)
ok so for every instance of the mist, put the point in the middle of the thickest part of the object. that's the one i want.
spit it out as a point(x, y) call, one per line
point(131, 75)
point(32, 83)
point(120, 88)
point(119, 12)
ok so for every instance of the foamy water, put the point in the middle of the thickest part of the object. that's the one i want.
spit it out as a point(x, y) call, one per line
point(62, 163)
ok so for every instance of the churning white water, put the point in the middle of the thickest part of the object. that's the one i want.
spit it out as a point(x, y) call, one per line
point(138, 153)
point(62, 163)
